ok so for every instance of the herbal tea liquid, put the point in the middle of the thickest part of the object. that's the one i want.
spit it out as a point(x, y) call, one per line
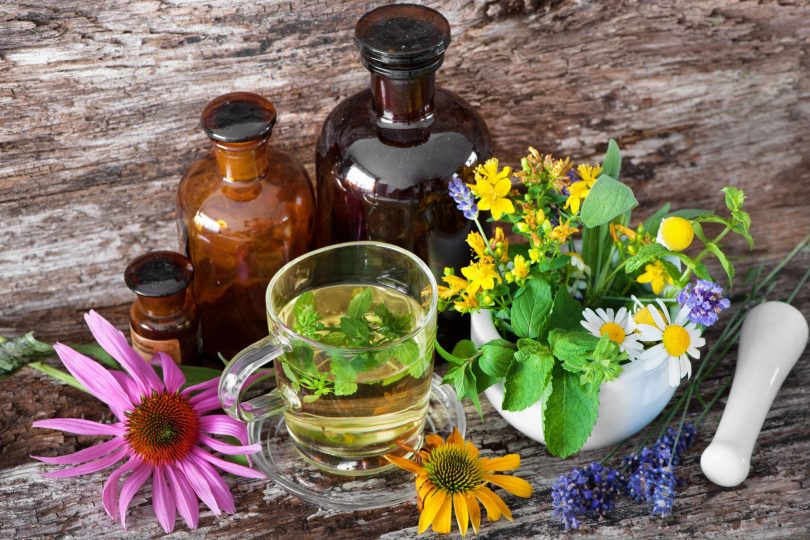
point(356, 407)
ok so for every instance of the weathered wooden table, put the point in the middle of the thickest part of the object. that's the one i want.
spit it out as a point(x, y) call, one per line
point(98, 118)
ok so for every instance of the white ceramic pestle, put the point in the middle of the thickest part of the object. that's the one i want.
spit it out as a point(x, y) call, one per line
point(773, 337)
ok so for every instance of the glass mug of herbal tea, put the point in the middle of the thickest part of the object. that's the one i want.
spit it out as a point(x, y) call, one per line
point(352, 328)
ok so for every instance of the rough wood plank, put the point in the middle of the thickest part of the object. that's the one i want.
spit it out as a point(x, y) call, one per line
point(99, 105)
point(98, 118)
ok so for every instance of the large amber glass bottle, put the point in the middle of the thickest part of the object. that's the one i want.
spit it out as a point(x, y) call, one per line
point(386, 155)
point(243, 211)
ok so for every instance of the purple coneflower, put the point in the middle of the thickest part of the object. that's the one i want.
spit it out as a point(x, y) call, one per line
point(161, 432)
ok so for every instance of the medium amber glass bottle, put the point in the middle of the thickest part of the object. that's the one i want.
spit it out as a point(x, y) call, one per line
point(164, 316)
point(386, 155)
point(243, 211)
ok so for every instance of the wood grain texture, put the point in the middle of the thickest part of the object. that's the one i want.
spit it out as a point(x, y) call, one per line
point(99, 106)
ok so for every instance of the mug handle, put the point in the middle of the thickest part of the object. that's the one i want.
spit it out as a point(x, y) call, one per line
point(239, 373)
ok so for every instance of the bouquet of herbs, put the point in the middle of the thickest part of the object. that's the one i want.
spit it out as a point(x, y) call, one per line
point(588, 290)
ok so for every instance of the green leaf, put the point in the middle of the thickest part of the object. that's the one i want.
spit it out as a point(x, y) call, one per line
point(734, 197)
point(496, 356)
point(464, 349)
point(18, 351)
point(569, 414)
point(646, 253)
point(355, 330)
point(528, 380)
point(696, 266)
point(345, 377)
point(558, 262)
point(652, 223)
point(571, 345)
point(196, 375)
point(531, 309)
point(715, 250)
point(360, 304)
point(95, 351)
point(566, 312)
point(612, 164)
point(608, 199)
point(742, 222)
point(698, 228)
point(59, 375)
point(455, 377)
point(692, 213)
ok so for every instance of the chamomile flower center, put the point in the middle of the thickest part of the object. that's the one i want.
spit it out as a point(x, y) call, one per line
point(613, 331)
point(163, 428)
point(643, 316)
point(453, 470)
point(676, 340)
point(676, 233)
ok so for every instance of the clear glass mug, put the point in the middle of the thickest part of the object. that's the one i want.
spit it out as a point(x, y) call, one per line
point(348, 403)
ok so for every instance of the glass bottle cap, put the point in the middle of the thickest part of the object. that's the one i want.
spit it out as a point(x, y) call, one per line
point(238, 117)
point(158, 273)
point(402, 40)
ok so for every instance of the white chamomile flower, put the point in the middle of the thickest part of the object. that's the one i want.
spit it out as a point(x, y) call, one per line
point(618, 327)
point(677, 341)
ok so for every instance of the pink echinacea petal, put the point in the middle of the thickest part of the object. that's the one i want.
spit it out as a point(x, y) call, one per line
point(95, 378)
point(109, 494)
point(184, 496)
point(233, 468)
point(162, 501)
point(79, 426)
point(172, 376)
point(139, 476)
point(84, 455)
point(91, 467)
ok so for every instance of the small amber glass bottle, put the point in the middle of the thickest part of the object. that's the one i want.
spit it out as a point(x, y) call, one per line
point(164, 317)
point(243, 211)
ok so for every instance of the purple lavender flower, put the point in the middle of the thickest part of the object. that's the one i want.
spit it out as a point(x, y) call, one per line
point(705, 301)
point(571, 179)
point(591, 489)
point(650, 473)
point(465, 201)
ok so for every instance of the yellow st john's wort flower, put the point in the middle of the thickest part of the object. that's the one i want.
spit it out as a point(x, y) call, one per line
point(451, 476)
point(481, 275)
point(467, 304)
point(656, 275)
point(675, 233)
point(492, 197)
point(578, 191)
point(476, 242)
point(455, 284)
point(489, 172)
point(561, 232)
point(500, 245)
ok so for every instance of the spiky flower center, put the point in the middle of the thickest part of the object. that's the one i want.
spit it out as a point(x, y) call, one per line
point(452, 469)
point(163, 428)
point(676, 340)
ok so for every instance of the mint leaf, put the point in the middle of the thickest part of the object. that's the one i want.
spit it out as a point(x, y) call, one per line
point(566, 312)
point(531, 346)
point(571, 345)
point(734, 197)
point(360, 304)
point(727, 265)
point(393, 326)
point(357, 331)
point(496, 357)
point(464, 349)
point(528, 380)
point(608, 199)
point(569, 413)
point(646, 253)
point(612, 164)
point(531, 309)
point(345, 376)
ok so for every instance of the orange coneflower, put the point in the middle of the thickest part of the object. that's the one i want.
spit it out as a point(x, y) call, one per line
point(450, 474)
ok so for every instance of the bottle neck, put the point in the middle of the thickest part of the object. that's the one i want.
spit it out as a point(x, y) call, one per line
point(164, 306)
point(403, 100)
point(241, 162)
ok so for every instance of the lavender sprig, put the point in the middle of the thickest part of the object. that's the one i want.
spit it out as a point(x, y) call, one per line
point(705, 301)
point(464, 198)
point(591, 489)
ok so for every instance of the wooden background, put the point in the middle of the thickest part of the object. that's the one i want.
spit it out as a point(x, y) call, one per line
point(99, 106)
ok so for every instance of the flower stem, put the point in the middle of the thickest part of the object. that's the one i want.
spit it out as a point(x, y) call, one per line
point(705, 252)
